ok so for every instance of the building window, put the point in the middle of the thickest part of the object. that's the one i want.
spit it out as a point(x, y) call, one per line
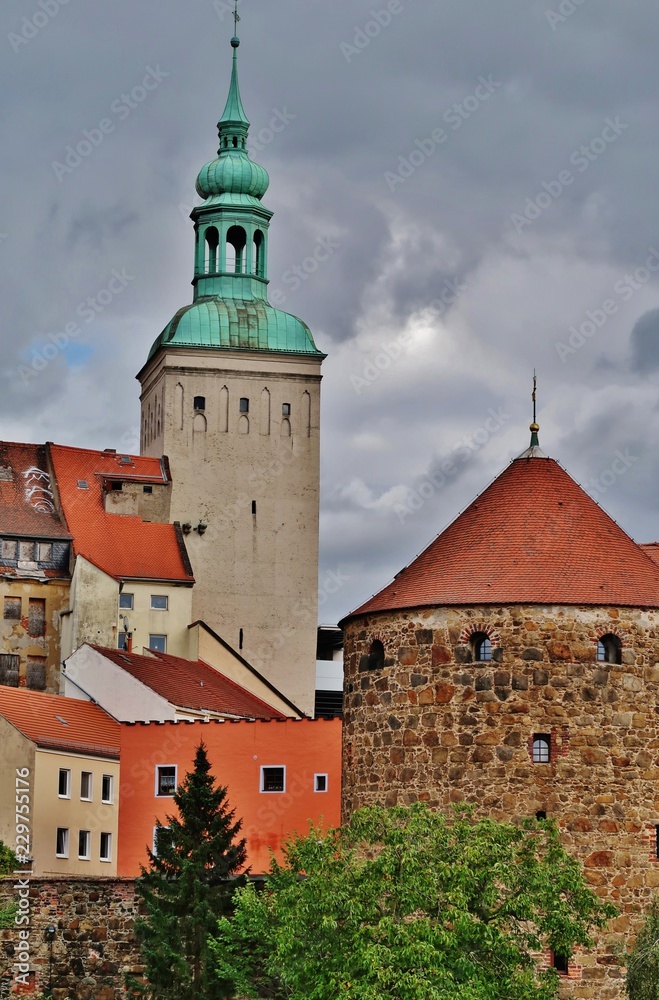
point(158, 602)
point(320, 782)
point(106, 847)
point(147, 489)
point(9, 549)
point(158, 643)
point(559, 962)
point(199, 403)
point(64, 783)
point(376, 655)
point(285, 409)
point(273, 779)
point(107, 788)
point(12, 609)
point(481, 647)
point(35, 673)
point(126, 601)
point(44, 551)
point(123, 640)
point(541, 814)
point(244, 405)
point(86, 786)
point(84, 845)
point(541, 748)
point(26, 551)
point(36, 617)
point(609, 649)
point(62, 844)
point(165, 779)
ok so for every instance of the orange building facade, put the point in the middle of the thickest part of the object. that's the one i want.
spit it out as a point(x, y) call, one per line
point(280, 775)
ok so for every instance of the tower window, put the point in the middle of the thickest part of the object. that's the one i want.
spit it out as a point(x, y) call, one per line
point(559, 962)
point(244, 405)
point(541, 751)
point(376, 655)
point(235, 249)
point(481, 647)
point(285, 409)
point(199, 403)
point(212, 243)
point(609, 649)
point(258, 261)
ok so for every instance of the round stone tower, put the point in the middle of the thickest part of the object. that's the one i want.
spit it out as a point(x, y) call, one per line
point(515, 665)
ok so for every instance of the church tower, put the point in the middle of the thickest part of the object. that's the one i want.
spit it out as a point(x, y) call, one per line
point(231, 396)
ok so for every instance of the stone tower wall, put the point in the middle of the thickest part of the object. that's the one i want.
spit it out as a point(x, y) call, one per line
point(431, 725)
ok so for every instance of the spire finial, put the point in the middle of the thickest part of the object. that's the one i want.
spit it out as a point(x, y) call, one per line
point(235, 41)
point(534, 428)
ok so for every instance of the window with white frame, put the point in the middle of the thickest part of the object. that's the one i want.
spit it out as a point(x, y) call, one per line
point(320, 782)
point(84, 845)
point(273, 779)
point(165, 779)
point(64, 783)
point(107, 788)
point(62, 842)
point(86, 786)
point(541, 748)
point(105, 853)
point(159, 602)
point(126, 601)
point(158, 643)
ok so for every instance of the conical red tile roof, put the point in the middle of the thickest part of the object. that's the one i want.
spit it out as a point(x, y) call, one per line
point(532, 537)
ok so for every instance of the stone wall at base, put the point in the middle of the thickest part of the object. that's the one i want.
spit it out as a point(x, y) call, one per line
point(429, 724)
point(93, 946)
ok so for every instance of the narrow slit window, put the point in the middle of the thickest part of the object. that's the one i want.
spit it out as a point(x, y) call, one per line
point(481, 647)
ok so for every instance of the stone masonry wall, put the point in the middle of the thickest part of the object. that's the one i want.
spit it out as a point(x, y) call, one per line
point(93, 946)
point(431, 725)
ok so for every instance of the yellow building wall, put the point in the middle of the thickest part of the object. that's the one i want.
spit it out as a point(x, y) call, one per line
point(16, 753)
point(50, 812)
point(14, 635)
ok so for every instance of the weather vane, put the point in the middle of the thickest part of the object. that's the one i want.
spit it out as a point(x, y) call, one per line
point(535, 383)
point(236, 17)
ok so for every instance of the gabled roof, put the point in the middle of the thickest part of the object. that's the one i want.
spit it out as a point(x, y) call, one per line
point(122, 545)
point(532, 537)
point(191, 684)
point(54, 722)
point(27, 505)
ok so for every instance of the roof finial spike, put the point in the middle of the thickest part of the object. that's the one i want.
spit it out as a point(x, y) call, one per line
point(235, 41)
point(534, 428)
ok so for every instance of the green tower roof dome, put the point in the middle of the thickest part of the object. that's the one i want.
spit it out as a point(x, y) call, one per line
point(232, 173)
point(238, 324)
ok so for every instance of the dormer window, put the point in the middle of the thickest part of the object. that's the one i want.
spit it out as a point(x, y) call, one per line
point(481, 647)
point(199, 404)
point(609, 649)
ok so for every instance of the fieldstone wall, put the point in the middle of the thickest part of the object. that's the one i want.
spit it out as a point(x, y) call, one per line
point(93, 946)
point(432, 725)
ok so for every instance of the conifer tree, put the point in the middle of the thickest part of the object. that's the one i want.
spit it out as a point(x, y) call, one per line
point(643, 960)
point(188, 886)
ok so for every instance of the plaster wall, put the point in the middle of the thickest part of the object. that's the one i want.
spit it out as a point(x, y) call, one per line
point(431, 725)
point(16, 753)
point(236, 751)
point(14, 633)
point(253, 480)
point(50, 812)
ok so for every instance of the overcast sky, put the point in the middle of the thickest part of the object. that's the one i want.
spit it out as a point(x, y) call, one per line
point(486, 174)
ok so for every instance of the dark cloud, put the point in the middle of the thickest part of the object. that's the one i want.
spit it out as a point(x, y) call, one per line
point(539, 251)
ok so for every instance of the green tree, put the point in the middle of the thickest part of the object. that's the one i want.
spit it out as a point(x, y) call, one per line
point(8, 864)
point(190, 882)
point(642, 960)
point(408, 904)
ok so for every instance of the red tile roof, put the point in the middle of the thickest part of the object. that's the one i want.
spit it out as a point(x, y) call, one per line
point(55, 722)
point(652, 549)
point(27, 507)
point(122, 545)
point(532, 537)
point(191, 684)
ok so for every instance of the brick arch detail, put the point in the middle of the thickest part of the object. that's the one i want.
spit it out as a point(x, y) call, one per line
point(608, 629)
point(490, 632)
